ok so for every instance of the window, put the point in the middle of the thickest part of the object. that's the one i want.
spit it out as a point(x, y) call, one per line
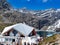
point(28, 44)
point(24, 43)
point(14, 32)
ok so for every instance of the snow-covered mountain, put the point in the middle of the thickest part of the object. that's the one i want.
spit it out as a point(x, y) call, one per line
point(37, 19)
point(54, 26)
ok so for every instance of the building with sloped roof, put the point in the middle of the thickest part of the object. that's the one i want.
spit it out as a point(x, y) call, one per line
point(21, 33)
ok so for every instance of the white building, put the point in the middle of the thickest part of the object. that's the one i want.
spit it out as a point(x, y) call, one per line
point(20, 34)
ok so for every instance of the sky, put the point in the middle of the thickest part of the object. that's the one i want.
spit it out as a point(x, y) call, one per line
point(35, 4)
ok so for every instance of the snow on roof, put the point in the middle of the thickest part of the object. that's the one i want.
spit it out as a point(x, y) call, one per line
point(6, 29)
point(21, 27)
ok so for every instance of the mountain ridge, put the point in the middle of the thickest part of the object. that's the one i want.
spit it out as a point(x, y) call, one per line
point(37, 19)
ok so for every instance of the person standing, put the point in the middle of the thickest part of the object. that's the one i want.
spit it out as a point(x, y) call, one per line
point(11, 33)
point(18, 34)
point(17, 40)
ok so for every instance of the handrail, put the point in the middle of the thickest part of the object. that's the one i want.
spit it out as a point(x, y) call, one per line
point(10, 37)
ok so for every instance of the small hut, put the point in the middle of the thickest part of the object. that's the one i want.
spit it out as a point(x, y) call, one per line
point(21, 33)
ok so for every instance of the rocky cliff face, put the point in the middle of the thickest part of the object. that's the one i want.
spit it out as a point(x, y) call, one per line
point(37, 19)
point(4, 4)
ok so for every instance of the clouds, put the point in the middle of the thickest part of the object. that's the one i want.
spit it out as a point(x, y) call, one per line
point(44, 1)
point(28, 0)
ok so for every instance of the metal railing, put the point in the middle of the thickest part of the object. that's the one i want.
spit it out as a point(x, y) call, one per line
point(9, 39)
